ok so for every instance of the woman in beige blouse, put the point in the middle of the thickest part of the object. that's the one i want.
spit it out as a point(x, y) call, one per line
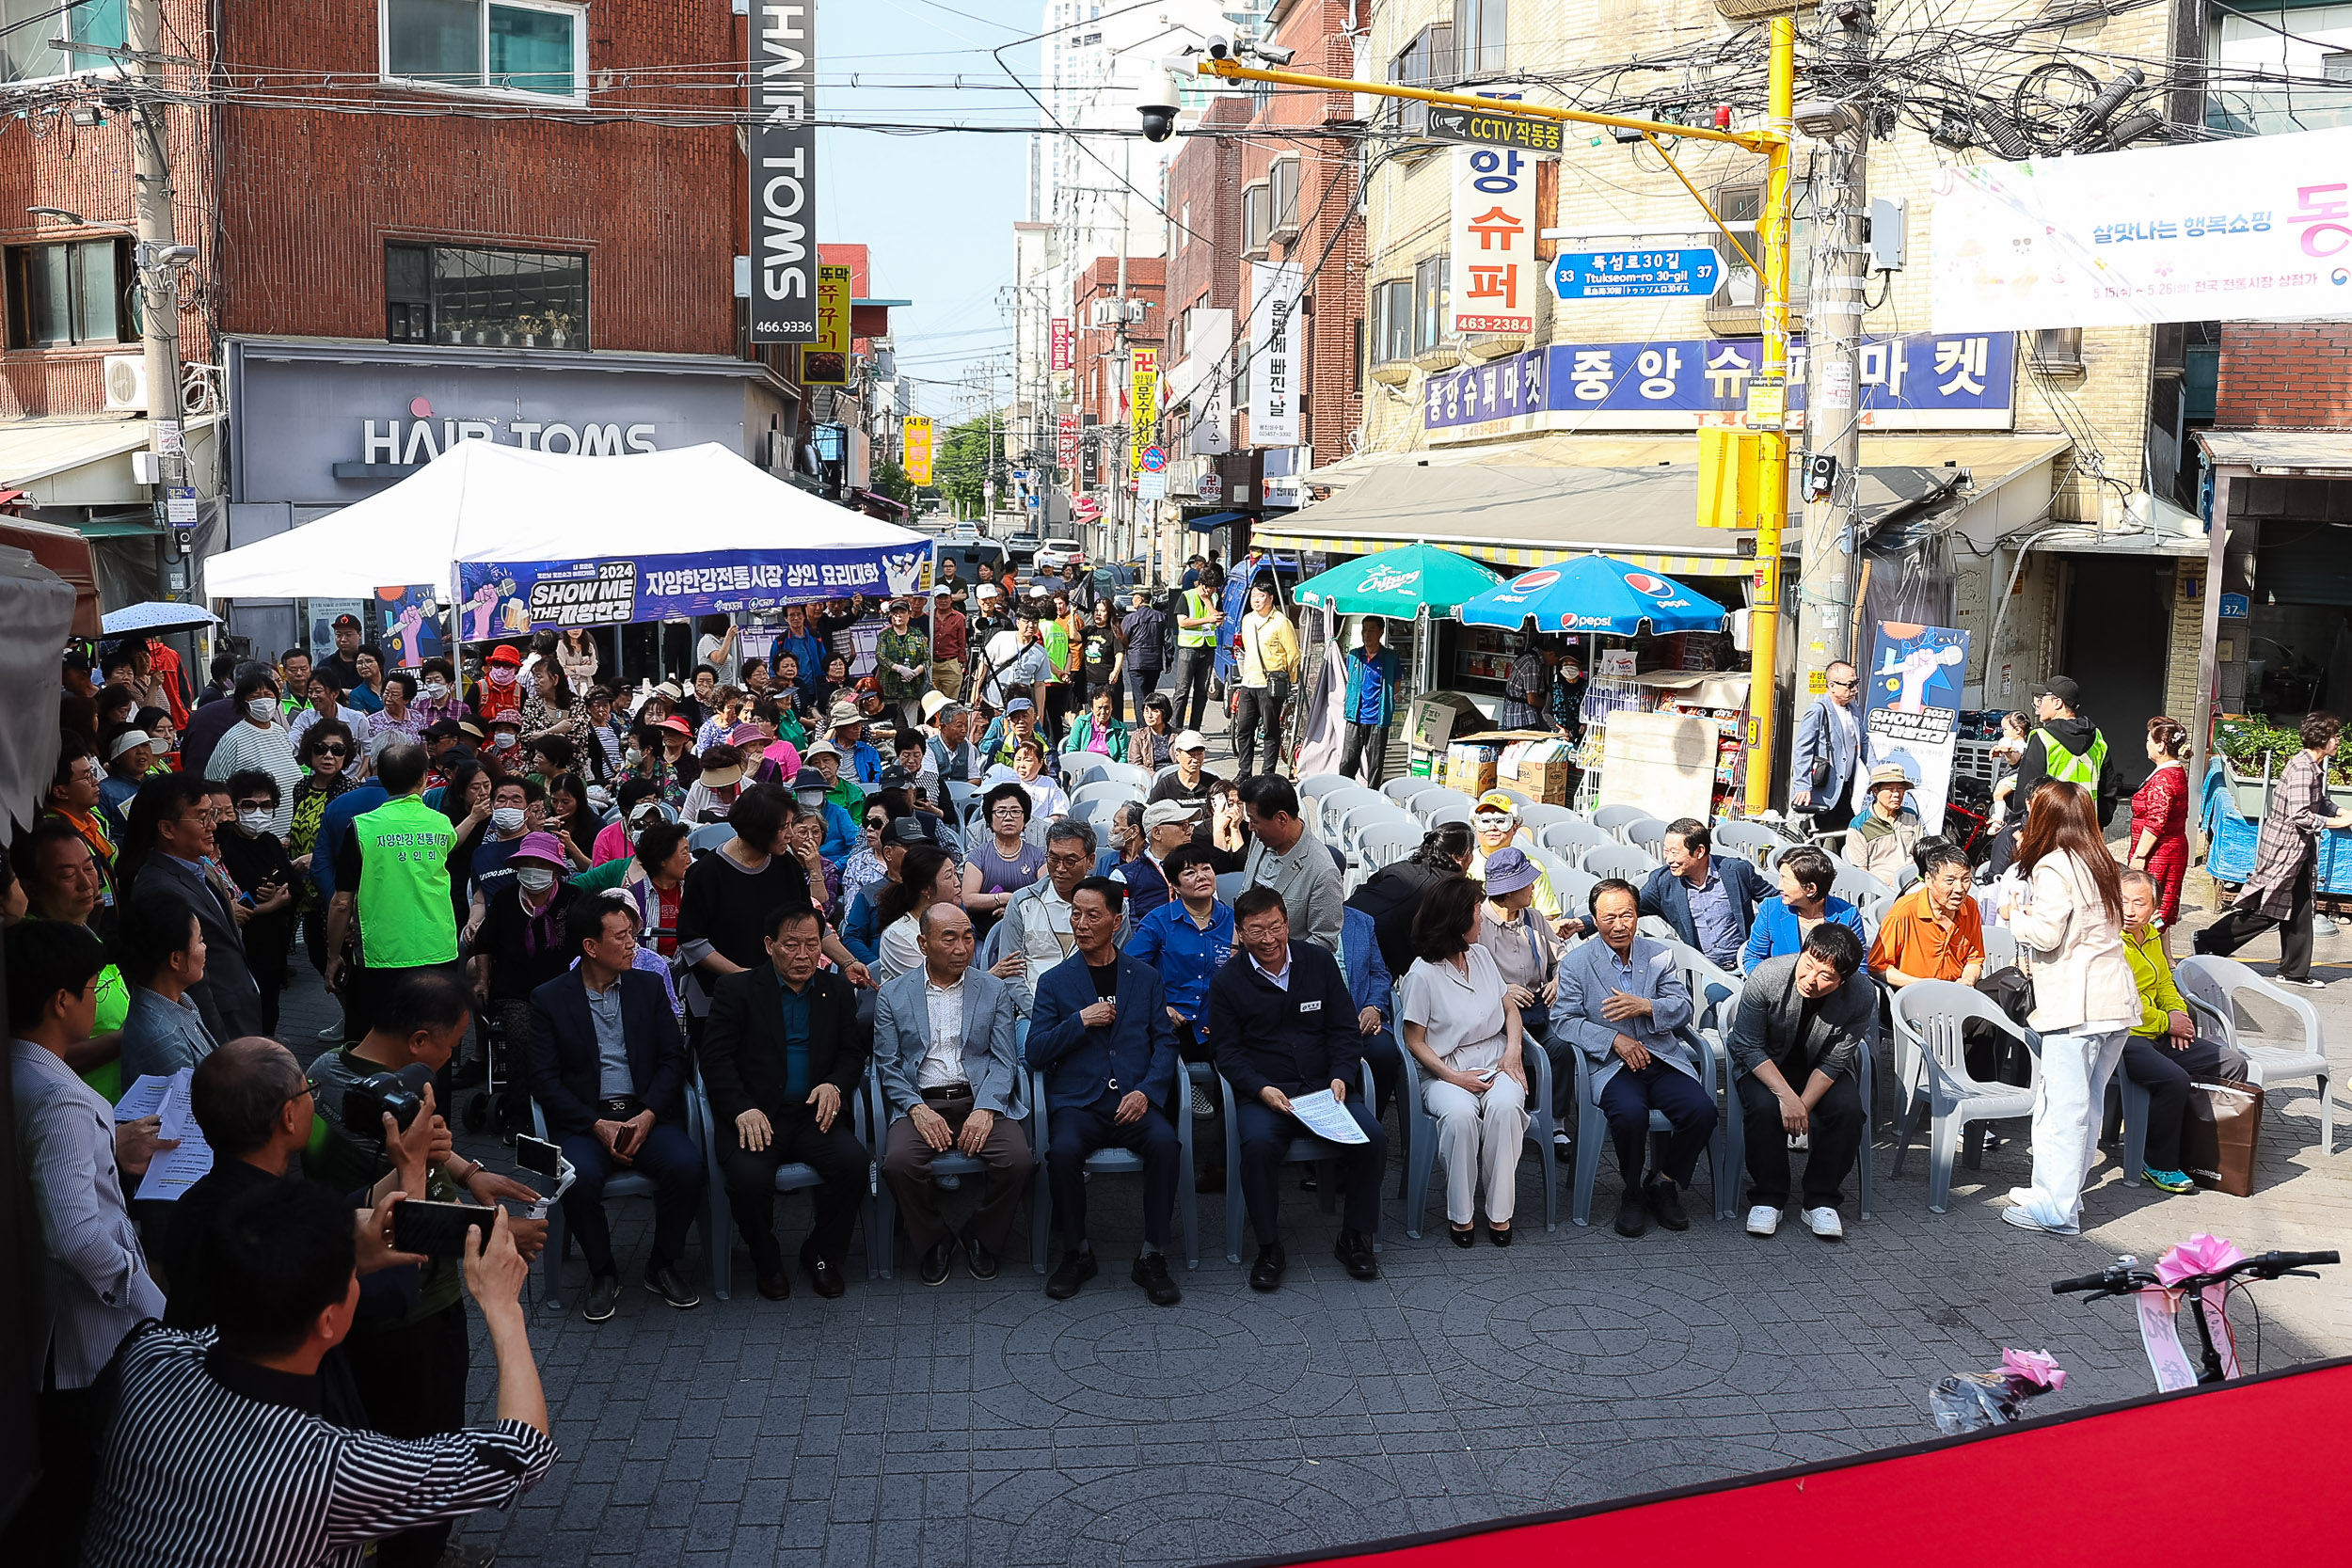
point(1462, 1030)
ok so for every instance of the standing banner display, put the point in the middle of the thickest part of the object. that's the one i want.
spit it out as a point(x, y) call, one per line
point(1143, 405)
point(782, 148)
point(1066, 443)
point(1911, 711)
point(1493, 275)
point(496, 597)
point(916, 433)
point(2258, 228)
point(1274, 290)
point(1061, 343)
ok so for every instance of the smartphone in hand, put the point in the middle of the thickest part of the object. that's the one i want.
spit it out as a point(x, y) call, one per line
point(439, 1229)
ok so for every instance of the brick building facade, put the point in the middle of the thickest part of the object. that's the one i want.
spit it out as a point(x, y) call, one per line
point(2290, 374)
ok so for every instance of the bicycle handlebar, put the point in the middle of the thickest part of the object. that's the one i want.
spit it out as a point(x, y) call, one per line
point(2104, 1279)
point(2119, 1277)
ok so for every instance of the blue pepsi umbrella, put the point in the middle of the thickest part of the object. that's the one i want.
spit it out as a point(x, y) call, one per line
point(157, 615)
point(1594, 593)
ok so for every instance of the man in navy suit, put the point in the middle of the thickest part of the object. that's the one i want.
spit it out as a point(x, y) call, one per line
point(1827, 750)
point(1099, 1033)
point(608, 1066)
point(1710, 903)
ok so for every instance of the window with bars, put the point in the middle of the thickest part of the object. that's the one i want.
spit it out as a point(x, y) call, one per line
point(481, 297)
point(1390, 307)
point(1479, 29)
point(1425, 61)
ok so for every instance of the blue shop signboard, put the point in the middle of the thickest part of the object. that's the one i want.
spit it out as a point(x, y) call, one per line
point(500, 597)
point(1921, 381)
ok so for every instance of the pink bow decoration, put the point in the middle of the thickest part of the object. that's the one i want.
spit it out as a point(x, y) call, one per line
point(2200, 1253)
point(2036, 1366)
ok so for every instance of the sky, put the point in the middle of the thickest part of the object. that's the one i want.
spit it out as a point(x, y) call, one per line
point(936, 210)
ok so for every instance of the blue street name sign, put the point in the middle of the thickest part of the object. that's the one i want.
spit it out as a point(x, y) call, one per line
point(1636, 273)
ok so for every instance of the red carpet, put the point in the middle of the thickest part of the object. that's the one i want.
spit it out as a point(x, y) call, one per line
point(2103, 1483)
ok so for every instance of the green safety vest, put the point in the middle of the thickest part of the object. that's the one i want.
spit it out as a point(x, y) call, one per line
point(406, 918)
point(2068, 767)
point(1199, 606)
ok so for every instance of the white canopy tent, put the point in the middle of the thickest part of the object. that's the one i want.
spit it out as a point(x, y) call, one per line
point(484, 501)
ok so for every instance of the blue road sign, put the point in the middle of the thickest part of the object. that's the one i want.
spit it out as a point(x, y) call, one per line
point(1636, 273)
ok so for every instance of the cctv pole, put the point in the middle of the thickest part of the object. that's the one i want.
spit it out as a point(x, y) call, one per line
point(1772, 462)
point(159, 325)
point(1841, 272)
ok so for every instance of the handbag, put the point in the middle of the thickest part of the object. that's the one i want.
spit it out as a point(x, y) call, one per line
point(2220, 1134)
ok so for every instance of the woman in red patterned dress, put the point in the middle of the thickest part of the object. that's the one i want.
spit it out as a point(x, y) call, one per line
point(2160, 817)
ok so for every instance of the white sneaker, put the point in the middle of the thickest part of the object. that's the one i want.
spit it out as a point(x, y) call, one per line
point(1824, 1224)
point(1763, 1220)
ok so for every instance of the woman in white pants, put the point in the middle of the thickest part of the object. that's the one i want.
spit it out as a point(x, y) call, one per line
point(2069, 922)
point(1465, 1035)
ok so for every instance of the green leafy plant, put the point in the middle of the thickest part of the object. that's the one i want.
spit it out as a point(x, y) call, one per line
point(2250, 743)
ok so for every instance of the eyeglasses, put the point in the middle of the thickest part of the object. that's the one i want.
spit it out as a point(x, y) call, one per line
point(257, 806)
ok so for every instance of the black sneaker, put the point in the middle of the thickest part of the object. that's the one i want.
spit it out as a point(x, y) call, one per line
point(1266, 1272)
point(1665, 1201)
point(664, 1280)
point(1633, 1214)
point(1077, 1267)
point(976, 1257)
point(602, 1291)
point(1355, 1255)
point(1151, 1272)
point(936, 1261)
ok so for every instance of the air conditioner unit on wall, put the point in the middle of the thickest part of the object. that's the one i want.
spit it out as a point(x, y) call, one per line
point(126, 383)
point(1106, 313)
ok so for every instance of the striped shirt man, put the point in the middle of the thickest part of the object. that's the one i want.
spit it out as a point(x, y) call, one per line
point(216, 1461)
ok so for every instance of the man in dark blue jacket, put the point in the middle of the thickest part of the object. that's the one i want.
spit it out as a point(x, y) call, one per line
point(608, 1066)
point(1710, 903)
point(1282, 1024)
point(1099, 1033)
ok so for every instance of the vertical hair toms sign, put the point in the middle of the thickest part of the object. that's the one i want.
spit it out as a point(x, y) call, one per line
point(783, 162)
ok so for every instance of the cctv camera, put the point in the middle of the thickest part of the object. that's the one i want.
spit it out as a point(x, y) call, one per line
point(1273, 55)
point(1158, 104)
point(1219, 49)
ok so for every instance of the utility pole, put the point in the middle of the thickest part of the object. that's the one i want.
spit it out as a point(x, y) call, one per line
point(1769, 413)
point(158, 255)
point(1832, 432)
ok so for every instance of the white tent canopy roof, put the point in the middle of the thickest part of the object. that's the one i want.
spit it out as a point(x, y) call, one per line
point(482, 500)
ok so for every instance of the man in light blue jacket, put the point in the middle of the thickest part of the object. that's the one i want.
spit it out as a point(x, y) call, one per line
point(1622, 1002)
point(1828, 751)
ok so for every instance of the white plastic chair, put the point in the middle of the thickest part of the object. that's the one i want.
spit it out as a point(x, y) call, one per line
point(1612, 820)
point(1082, 767)
point(2211, 985)
point(1138, 779)
point(1333, 807)
point(1536, 818)
point(1111, 790)
point(1929, 1059)
point(1857, 886)
point(1449, 812)
point(1647, 834)
point(1430, 801)
point(1403, 790)
point(1385, 842)
point(1619, 859)
point(1571, 838)
point(1752, 839)
point(2000, 948)
point(1317, 785)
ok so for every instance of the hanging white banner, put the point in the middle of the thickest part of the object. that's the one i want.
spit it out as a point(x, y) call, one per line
point(1274, 357)
point(1493, 277)
point(2257, 230)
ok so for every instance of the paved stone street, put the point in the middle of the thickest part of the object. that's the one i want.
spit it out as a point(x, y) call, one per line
point(982, 1423)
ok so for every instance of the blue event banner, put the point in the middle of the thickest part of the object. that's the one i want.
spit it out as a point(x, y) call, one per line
point(1922, 381)
point(501, 597)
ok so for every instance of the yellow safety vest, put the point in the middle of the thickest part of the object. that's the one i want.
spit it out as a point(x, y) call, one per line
point(1199, 606)
point(2068, 767)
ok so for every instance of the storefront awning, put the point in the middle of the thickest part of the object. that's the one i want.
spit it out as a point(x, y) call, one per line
point(2325, 454)
point(80, 462)
point(1214, 520)
point(2143, 525)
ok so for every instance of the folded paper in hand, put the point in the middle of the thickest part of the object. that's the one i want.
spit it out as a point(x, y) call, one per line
point(1326, 1118)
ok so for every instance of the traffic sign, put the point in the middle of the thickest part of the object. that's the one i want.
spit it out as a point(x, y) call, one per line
point(1154, 459)
point(1481, 129)
point(1636, 273)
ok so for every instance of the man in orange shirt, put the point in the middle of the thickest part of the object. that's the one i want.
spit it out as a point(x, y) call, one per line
point(1933, 932)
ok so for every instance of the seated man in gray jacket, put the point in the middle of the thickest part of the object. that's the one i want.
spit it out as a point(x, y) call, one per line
point(951, 1078)
point(1804, 1019)
point(1622, 1003)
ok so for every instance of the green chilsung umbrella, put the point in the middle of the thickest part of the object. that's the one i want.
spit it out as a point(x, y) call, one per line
point(1397, 582)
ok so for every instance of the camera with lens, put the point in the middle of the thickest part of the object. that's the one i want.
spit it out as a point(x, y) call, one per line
point(399, 1094)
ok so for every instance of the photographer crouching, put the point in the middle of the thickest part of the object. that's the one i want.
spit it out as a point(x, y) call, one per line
point(409, 1351)
point(215, 1450)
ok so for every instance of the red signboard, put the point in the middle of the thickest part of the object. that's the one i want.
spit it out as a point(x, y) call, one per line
point(1061, 343)
point(1066, 444)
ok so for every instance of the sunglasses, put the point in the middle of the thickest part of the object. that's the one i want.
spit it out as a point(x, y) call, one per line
point(329, 751)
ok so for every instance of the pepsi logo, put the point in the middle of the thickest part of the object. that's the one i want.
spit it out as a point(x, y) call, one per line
point(1641, 583)
point(1534, 580)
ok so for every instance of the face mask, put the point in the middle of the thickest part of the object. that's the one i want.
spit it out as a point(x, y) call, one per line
point(502, 674)
point(810, 800)
point(506, 740)
point(633, 756)
point(263, 709)
point(535, 879)
point(506, 819)
point(253, 821)
point(433, 691)
point(166, 741)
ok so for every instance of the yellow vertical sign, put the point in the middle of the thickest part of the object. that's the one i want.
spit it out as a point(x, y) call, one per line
point(826, 361)
point(1143, 392)
point(917, 435)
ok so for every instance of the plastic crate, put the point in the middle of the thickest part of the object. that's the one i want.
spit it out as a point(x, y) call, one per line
point(1974, 759)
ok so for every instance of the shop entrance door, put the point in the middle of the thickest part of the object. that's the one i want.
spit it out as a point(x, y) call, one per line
point(2115, 650)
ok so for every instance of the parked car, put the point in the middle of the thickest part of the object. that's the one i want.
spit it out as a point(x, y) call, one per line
point(1023, 545)
point(1057, 553)
point(968, 554)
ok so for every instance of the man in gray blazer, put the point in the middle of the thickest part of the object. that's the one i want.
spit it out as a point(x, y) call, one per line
point(1622, 1002)
point(1804, 1021)
point(227, 996)
point(1828, 751)
point(951, 1078)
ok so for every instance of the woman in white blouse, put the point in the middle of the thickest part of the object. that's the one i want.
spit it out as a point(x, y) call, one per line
point(927, 876)
point(1466, 1036)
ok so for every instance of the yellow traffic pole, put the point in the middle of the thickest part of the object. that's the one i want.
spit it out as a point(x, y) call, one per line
point(1767, 407)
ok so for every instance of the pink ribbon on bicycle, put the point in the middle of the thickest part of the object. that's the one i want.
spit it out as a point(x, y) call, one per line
point(2036, 1366)
point(2200, 1253)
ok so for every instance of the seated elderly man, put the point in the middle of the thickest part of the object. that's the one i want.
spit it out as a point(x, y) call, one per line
point(1621, 1003)
point(1804, 1020)
point(1934, 931)
point(2165, 1051)
point(1884, 836)
point(1710, 903)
